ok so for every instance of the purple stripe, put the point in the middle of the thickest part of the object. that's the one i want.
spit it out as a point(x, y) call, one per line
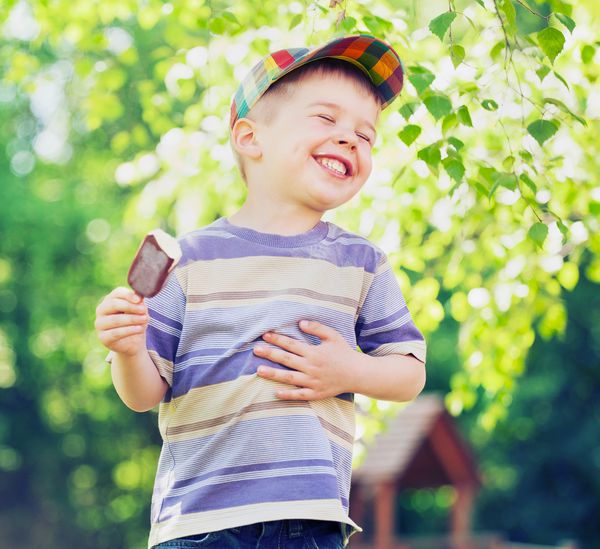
point(246, 492)
point(385, 321)
point(163, 343)
point(225, 368)
point(205, 246)
point(164, 319)
point(407, 333)
point(254, 467)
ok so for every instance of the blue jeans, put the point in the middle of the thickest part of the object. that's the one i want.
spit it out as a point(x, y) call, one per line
point(277, 534)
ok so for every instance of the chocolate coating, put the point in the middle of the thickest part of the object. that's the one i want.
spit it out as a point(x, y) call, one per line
point(150, 268)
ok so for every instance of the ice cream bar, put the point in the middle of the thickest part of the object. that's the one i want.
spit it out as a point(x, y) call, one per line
point(155, 259)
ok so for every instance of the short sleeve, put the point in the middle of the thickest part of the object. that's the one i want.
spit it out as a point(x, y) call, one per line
point(166, 310)
point(384, 325)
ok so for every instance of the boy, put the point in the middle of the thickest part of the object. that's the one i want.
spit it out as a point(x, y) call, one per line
point(251, 347)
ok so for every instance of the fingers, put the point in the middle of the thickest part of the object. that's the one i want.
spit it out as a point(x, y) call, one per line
point(289, 377)
point(280, 356)
point(110, 337)
point(297, 394)
point(121, 319)
point(288, 343)
point(317, 329)
point(121, 300)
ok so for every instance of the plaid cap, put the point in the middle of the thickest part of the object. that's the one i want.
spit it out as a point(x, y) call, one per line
point(373, 56)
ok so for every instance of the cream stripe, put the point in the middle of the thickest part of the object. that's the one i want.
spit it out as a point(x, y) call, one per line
point(416, 348)
point(205, 410)
point(249, 302)
point(164, 366)
point(212, 521)
point(273, 274)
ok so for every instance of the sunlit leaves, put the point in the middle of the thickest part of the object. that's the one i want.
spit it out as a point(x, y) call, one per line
point(457, 54)
point(408, 109)
point(551, 41)
point(454, 167)
point(440, 25)
point(409, 133)
point(568, 276)
point(565, 109)
point(431, 155)
point(420, 78)
point(438, 104)
point(510, 13)
point(587, 53)
point(542, 130)
point(538, 233)
point(463, 116)
point(566, 21)
point(489, 105)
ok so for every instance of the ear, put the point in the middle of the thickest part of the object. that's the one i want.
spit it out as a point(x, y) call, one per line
point(244, 139)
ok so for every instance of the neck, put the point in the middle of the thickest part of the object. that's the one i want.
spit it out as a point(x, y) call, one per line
point(267, 217)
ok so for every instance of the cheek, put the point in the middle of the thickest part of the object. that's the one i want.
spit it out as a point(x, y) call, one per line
point(366, 161)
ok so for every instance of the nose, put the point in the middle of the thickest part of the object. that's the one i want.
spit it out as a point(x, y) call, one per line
point(346, 138)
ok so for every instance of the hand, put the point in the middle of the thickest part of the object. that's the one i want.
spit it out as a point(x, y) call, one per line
point(319, 371)
point(121, 320)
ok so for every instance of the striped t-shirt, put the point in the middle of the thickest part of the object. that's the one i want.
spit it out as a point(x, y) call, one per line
point(233, 453)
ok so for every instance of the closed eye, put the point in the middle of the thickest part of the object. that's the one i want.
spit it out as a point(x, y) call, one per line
point(365, 137)
point(326, 117)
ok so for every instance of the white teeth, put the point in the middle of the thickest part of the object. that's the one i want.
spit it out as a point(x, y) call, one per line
point(333, 164)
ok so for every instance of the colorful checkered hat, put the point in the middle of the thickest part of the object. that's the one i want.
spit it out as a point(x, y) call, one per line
point(374, 57)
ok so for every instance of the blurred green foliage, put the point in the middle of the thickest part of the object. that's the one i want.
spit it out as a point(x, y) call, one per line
point(113, 120)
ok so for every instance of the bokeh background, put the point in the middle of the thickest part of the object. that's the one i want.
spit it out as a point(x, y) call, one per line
point(485, 195)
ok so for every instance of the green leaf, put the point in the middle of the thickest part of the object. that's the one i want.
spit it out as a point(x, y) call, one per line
point(587, 54)
point(508, 163)
point(529, 182)
point(431, 155)
point(542, 72)
point(495, 51)
point(561, 79)
point(566, 21)
point(408, 109)
point(507, 180)
point(454, 168)
point(349, 24)
point(449, 122)
point(551, 41)
point(217, 25)
point(511, 15)
point(538, 233)
point(296, 20)
point(457, 54)
point(480, 2)
point(489, 105)
point(564, 108)
point(421, 80)
point(502, 179)
point(377, 25)
point(440, 25)
point(438, 105)
point(542, 130)
point(464, 117)
point(456, 143)
point(409, 133)
point(227, 15)
point(526, 155)
point(568, 276)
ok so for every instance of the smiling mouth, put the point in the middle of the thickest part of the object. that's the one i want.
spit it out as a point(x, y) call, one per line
point(334, 165)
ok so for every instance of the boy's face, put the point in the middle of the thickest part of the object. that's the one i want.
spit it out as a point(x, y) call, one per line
point(316, 149)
